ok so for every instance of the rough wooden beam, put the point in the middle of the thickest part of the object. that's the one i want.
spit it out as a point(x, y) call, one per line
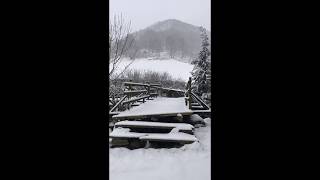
point(135, 99)
point(116, 106)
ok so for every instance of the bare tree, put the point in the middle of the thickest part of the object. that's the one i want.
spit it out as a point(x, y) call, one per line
point(120, 41)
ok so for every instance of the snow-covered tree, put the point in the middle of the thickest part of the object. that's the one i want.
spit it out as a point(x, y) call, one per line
point(202, 67)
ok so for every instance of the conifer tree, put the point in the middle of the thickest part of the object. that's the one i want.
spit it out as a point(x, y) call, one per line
point(202, 68)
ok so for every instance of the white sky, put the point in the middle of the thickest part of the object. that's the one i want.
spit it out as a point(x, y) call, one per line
point(144, 13)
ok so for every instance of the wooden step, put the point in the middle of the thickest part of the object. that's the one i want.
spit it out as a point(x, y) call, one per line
point(180, 137)
point(175, 137)
point(156, 125)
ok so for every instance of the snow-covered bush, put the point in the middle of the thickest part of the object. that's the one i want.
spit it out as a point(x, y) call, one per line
point(164, 78)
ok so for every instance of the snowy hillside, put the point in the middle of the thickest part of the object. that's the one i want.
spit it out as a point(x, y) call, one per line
point(173, 24)
point(175, 68)
point(177, 38)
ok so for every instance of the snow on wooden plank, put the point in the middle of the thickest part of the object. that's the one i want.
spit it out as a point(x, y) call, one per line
point(135, 99)
point(135, 91)
point(159, 106)
point(180, 136)
point(180, 126)
point(134, 84)
point(202, 111)
point(197, 106)
point(176, 136)
point(125, 133)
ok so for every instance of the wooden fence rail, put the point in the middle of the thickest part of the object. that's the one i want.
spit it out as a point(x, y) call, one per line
point(132, 95)
point(150, 90)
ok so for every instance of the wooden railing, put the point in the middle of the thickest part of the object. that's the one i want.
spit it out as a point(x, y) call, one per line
point(188, 94)
point(140, 92)
point(191, 97)
point(133, 95)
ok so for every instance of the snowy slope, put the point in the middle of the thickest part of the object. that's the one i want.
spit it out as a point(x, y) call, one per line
point(176, 69)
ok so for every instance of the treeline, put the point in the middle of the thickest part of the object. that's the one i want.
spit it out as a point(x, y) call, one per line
point(154, 77)
point(167, 81)
point(173, 43)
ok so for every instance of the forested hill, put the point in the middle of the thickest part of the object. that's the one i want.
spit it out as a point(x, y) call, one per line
point(168, 39)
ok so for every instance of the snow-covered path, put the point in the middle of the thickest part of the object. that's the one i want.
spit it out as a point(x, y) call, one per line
point(190, 162)
point(160, 105)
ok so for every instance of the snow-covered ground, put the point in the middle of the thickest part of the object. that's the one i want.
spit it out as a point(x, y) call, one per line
point(175, 68)
point(190, 162)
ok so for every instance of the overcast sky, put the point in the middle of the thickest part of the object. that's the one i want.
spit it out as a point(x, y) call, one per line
point(143, 13)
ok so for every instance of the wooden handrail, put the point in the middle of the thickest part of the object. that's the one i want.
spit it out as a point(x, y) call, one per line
point(189, 92)
point(135, 92)
point(199, 100)
point(168, 89)
point(116, 106)
point(134, 84)
point(140, 84)
point(135, 99)
point(155, 84)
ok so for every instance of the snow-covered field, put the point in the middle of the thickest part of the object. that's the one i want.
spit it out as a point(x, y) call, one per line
point(190, 162)
point(175, 68)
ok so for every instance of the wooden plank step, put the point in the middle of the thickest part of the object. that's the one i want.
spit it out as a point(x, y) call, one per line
point(160, 125)
point(171, 114)
point(124, 133)
point(174, 137)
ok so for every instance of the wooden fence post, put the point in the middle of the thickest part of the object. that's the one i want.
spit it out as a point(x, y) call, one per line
point(129, 88)
point(189, 92)
point(148, 89)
